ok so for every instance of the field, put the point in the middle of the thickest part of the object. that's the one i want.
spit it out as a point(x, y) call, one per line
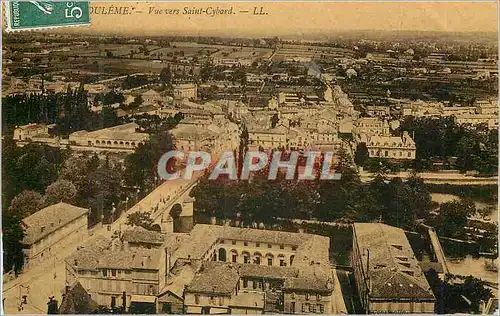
point(118, 50)
point(243, 52)
point(223, 51)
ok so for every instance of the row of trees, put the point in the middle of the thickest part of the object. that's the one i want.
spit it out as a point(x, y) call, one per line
point(442, 140)
point(69, 111)
point(261, 200)
point(464, 296)
point(475, 148)
point(399, 203)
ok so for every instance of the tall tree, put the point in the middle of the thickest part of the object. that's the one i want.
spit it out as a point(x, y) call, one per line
point(13, 234)
point(26, 203)
point(60, 191)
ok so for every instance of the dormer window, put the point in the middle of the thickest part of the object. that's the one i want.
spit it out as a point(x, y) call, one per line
point(398, 247)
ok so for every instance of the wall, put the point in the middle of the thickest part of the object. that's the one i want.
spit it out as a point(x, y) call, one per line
point(252, 248)
point(358, 270)
point(218, 303)
point(73, 233)
point(308, 302)
point(387, 307)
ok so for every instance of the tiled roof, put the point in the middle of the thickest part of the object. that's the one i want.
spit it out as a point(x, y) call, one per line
point(308, 284)
point(181, 275)
point(101, 254)
point(142, 235)
point(214, 277)
point(87, 256)
point(77, 301)
point(393, 269)
point(49, 219)
point(261, 235)
point(197, 243)
point(255, 270)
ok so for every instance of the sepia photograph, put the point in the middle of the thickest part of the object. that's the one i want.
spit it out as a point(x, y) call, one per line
point(249, 157)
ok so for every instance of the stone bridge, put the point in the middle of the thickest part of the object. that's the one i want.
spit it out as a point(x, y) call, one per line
point(170, 205)
point(176, 214)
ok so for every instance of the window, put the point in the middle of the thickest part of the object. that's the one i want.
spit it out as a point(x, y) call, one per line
point(245, 283)
point(113, 272)
point(233, 242)
point(321, 308)
point(212, 300)
point(254, 284)
point(269, 261)
point(257, 244)
point(282, 246)
point(113, 301)
point(409, 154)
point(305, 307)
point(256, 260)
point(246, 259)
point(235, 257)
point(307, 296)
point(269, 246)
point(386, 153)
point(312, 308)
point(245, 243)
point(221, 301)
point(318, 297)
point(105, 272)
point(294, 248)
point(282, 262)
point(222, 241)
point(292, 308)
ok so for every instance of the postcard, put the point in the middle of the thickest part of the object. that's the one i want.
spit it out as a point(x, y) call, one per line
point(249, 157)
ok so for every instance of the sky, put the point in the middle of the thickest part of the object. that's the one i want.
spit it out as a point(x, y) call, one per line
point(286, 18)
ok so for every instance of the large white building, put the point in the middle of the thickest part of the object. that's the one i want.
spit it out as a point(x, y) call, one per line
point(31, 131)
point(117, 138)
point(185, 91)
point(390, 147)
point(214, 136)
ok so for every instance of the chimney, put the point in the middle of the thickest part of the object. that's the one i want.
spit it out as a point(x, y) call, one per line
point(76, 262)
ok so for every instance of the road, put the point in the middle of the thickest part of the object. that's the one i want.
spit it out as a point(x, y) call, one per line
point(48, 279)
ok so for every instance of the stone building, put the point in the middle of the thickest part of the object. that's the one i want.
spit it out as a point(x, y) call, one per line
point(390, 147)
point(52, 228)
point(185, 91)
point(388, 277)
point(117, 138)
point(212, 269)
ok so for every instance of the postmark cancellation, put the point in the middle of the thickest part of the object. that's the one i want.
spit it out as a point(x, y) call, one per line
point(32, 15)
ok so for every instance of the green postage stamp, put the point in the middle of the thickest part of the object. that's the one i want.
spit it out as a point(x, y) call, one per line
point(29, 15)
